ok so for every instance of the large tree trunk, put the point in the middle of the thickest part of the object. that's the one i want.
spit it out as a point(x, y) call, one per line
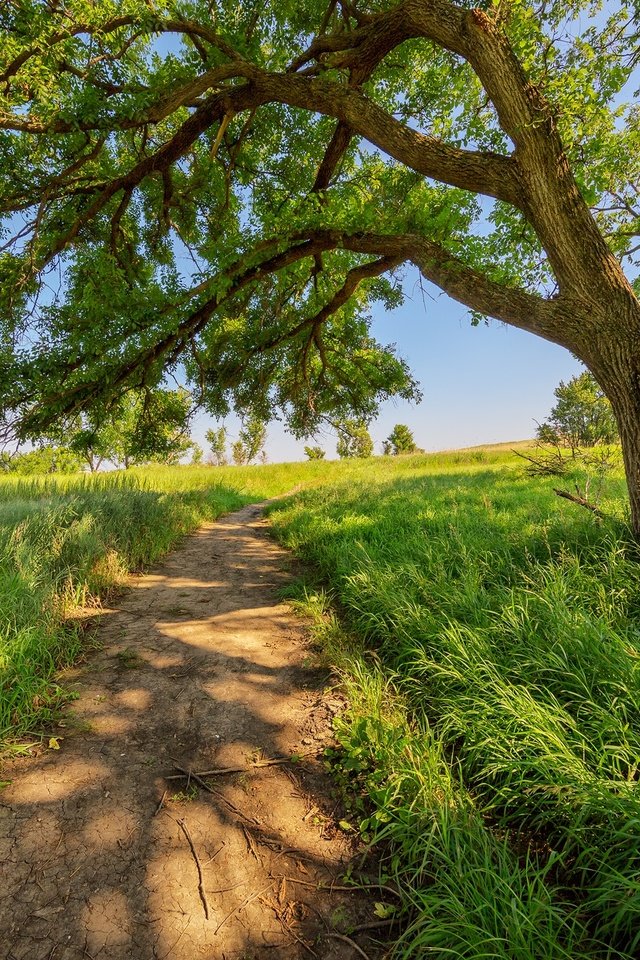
point(615, 363)
point(625, 399)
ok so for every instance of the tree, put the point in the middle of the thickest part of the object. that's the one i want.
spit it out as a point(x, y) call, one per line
point(314, 453)
point(252, 436)
point(250, 442)
point(144, 426)
point(400, 440)
point(44, 458)
point(354, 439)
point(301, 154)
point(217, 440)
point(582, 417)
point(238, 453)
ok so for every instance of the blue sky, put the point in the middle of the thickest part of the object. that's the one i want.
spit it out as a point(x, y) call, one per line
point(485, 384)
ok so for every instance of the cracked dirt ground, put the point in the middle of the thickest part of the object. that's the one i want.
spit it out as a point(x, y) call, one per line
point(199, 664)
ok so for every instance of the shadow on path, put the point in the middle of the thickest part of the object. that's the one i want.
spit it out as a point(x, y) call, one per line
point(201, 665)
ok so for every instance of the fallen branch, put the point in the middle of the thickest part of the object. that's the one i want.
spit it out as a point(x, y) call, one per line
point(253, 850)
point(352, 943)
point(160, 805)
point(579, 500)
point(245, 903)
point(201, 890)
point(275, 761)
point(205, 786)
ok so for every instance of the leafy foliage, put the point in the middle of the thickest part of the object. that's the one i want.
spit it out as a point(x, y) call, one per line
point(142, 427)
point(354, 439)
point(239, 201)
point(400, 440)
point(44, 458)
point(582, 416)
point(217, 440)
point(314, 453)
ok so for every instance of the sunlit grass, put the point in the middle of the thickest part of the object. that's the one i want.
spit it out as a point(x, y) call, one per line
point(507, 623)
point(491, 747)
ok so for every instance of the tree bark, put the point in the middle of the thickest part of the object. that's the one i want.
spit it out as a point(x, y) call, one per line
point(616, 366)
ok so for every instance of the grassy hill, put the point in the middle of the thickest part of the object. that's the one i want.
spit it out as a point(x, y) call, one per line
point(488, 637)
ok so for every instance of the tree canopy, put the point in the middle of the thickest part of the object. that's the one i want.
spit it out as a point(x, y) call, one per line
point(581, 416)
point(141, 427)
point(400, 440)
point(232, 186)
point(354, 439)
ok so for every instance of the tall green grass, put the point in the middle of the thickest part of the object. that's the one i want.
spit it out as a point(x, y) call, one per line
point(510, 628)
point(66, 542)
point(492, 743)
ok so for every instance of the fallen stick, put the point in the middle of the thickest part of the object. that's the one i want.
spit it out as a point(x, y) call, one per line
point(295, 936)
point(205, 786)
point(245, 903)
point(201, 890)
point(352, 943)
point(275, 761)
point(579, 500)
point(251, 843)
point(161, 804)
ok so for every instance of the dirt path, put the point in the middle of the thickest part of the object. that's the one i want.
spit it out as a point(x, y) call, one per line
point(201, 665)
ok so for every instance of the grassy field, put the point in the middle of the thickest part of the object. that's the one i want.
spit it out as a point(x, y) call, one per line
point(65, 542)
point(489, 640)
point(494, 677)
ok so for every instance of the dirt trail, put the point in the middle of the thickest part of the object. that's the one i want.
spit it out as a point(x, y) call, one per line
point(199, 664)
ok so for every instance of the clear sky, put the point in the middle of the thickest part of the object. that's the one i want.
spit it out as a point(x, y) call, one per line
point(483, 384)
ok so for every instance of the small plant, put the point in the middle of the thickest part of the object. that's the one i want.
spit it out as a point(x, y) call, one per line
point(185, 796)
point(129, 659)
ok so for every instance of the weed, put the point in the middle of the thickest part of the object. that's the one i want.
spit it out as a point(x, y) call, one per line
point(185, 796)
point(129, 659)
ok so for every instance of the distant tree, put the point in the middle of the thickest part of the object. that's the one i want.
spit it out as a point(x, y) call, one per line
point(217, 440)
point(253, 436)
point(314, 453)
point(144, 426)
point(44, 458)
point(582, 416)
point(93, 440)
point(354, 439)
point(238, 453)
point(250, 443)
point(197, 453)
point(400, 440)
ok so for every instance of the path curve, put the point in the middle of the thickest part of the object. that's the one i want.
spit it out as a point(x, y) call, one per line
point(198, 664)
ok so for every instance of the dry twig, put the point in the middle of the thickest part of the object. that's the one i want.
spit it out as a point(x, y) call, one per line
point(352, 943)
point(201, 890)
point(205, 786)
point(245, 903)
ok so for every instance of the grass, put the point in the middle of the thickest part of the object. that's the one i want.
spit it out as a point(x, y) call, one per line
point(494, 732)
point(489, 642)
point(67, 542)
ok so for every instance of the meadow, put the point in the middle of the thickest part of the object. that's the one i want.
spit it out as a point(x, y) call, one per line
point(487, 634)
point(489, 638)
point(67, 542)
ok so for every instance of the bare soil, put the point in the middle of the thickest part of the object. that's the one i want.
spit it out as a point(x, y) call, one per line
point(103, 855)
